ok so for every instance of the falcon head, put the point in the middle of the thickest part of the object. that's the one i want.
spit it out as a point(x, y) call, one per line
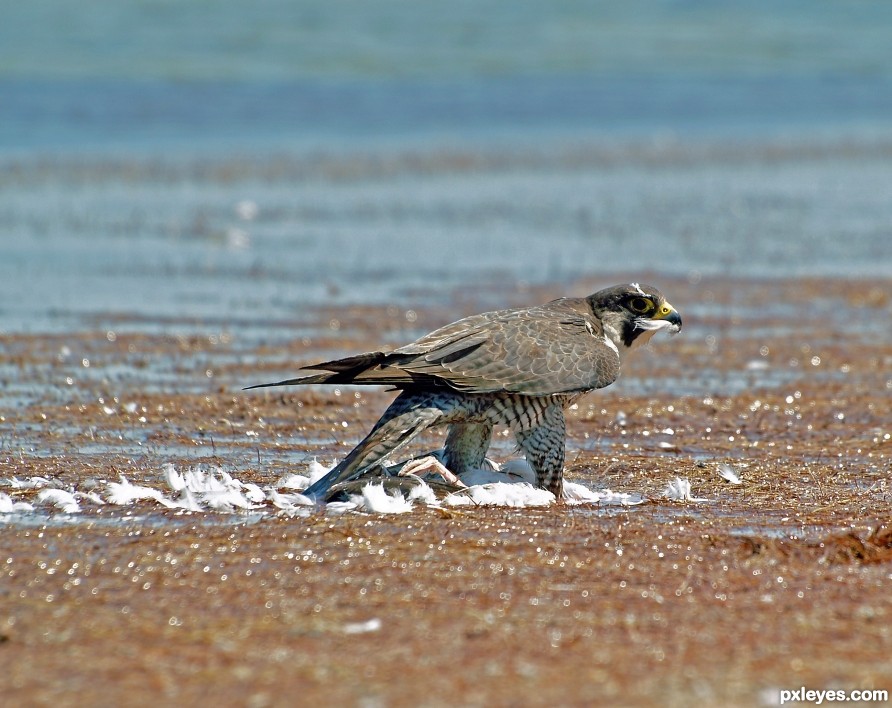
point(632, 314)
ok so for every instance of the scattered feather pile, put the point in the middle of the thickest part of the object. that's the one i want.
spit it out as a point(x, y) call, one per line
point(202, 489)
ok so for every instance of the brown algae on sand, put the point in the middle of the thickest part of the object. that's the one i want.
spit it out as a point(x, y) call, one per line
point(779, 581)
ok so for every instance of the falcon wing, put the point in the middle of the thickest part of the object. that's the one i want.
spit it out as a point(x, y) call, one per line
point(554, 348)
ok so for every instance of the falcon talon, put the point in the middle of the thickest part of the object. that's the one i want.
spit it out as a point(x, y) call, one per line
point(429, 465)
point(520, 368)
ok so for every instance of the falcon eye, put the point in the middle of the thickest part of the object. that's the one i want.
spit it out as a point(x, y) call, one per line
point(641, 305)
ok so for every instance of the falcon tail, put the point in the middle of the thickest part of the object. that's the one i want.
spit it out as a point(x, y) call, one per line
point(371, 369)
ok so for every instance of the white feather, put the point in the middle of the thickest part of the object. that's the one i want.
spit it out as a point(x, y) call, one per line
point(216, 489)
point(253, 493)
point(501, 494)
point(424, 494)
point(287, 502)
point(123, 493)
point(680, 490)
point(174, 479)
point(92, 497)
point(30, 483)
point(225, 500)
point(187, 501)
point(727, 473)
point(580, 494)
point(317, 471)
point(340, 507)
point(8, 505)
point(59, 498)
point(372, 625)
point(293, 481)
point(374, 498)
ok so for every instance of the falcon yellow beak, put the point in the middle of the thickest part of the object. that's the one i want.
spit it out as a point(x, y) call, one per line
point(668, 313)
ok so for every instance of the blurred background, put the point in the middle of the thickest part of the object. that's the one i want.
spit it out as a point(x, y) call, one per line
point(227, 161)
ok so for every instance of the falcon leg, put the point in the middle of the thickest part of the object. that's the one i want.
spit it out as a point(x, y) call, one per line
point(544, 444)
point(466, 446)
point(430, 465)
point(408, 415)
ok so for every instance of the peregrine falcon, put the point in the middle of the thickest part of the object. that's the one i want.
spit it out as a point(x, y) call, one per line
point(519, 367)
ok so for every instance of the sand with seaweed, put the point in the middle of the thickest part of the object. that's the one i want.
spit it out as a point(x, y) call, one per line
point(778, 582)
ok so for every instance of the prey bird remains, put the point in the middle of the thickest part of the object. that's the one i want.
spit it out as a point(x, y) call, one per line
point(520, 368)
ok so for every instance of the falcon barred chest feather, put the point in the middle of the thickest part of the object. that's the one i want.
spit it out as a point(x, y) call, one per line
point(519, 368)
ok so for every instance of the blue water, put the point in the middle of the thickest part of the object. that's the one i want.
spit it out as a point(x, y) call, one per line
point(225, 160)
point(80, 115)
point(99, 76)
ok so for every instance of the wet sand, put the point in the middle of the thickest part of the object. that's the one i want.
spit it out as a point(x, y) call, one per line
point(776, 583)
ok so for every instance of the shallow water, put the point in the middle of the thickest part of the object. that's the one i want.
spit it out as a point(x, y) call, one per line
point(306, 73)
point(246, 252)
point(229, 174)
